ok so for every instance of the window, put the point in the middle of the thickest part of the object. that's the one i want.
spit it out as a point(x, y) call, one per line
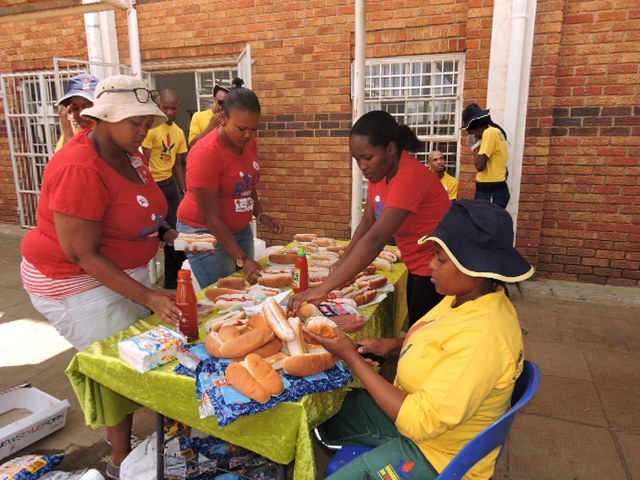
point(205, 81)
point(424, 93)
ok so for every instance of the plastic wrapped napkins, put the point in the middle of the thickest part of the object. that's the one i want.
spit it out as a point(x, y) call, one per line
point(151, 349)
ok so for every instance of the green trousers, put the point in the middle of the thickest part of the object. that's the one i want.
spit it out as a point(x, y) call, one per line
point(361, 422)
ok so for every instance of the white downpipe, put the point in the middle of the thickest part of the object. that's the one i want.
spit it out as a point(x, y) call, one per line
point(514, 114)
point(359, 72)
point(134, 39)
point(95, 50)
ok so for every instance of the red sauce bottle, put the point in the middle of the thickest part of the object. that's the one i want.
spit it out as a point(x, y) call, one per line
point(301, 273)
point(187, 302)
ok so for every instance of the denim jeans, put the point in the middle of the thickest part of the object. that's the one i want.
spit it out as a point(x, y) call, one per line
point(209, 267)
point(499, 197)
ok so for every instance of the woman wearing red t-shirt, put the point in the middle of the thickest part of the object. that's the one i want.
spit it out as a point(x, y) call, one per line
point(222, 177)
point(99, 218)
point(404, 200)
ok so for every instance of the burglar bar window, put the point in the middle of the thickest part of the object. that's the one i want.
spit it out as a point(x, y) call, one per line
point(205, 81)
point(423, 92)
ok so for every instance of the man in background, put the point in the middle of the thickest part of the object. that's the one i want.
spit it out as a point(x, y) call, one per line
point(165, 147)
point(437, 165)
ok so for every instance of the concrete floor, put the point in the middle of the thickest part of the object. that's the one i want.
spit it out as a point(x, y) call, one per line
point(584, 424)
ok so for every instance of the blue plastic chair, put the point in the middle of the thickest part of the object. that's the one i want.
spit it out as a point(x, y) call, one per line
point(482, 444)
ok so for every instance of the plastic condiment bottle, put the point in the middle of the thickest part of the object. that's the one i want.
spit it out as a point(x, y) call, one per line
point(187, 302)
point(301, 272)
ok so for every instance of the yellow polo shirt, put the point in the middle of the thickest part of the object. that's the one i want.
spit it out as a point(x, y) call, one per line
point(459, 367)
point(165, 143)
point(494, 146)
point(199, 123)
point(450, 185)
point(60, 143)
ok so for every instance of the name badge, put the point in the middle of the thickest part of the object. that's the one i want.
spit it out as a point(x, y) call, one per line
point(244, 204)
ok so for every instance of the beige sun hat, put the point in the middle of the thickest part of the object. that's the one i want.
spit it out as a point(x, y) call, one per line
point(120, 97)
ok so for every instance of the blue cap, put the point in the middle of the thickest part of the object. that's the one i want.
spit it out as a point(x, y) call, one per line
point(83, 85)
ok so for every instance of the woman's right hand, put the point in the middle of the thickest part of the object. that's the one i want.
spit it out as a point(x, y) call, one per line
point(251, 269)
point(313, 295)
point(65, 116)
point(163, 305)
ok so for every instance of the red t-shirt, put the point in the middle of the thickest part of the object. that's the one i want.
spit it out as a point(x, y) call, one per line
point(417, 189)
point(78, 183)
point(212, 165)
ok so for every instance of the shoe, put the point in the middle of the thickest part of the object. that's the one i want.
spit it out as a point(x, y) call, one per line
point(112, 471)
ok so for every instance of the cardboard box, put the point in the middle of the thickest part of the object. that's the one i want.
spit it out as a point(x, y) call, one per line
point(47, 414)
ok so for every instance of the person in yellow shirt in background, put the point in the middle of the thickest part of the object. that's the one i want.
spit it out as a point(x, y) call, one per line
point(203, 122)
point(488, 141)
point(77, 97)
point(437, 165)
point(165, 147)
point(458, 364)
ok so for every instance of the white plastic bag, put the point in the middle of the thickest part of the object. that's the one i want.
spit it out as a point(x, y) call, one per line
point(141, 463)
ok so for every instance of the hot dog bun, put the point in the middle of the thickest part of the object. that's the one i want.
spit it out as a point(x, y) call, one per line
point(308, 310)
point(322, 326)
point(233, 318)
point(352, 322)
point(213, 293)
point(324, 242)
point(246, 343)
point(283, 257)
point(309, 363)
point(382, 264)
point(258, 321)
point(275, 280)
point(255, 378)
point(212, 344)
point(304, 237)
point(388, 256)
point(373, 281)
point(277, 320)
point(296, 346)
point(236, 283)
point(339, 249)
point(363, 296)
point(270, 348)
point(226, 302)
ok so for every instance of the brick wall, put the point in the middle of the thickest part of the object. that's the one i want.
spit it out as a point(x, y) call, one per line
point(578, 215)
point(28, 46)
point(582, 167)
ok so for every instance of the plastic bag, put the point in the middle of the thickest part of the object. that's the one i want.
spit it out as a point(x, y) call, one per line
point(29, 467)
point(140, 464)
point(86, 474)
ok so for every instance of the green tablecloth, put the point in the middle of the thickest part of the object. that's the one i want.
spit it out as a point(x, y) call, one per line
point(108, 389)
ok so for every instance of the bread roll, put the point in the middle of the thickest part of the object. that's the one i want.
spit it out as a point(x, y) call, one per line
point(275, 280)
point(308, 310)
point(212, 344)
point(258, 321)
point(304, 237)
point(373, 281)
point(284, 258)
point(270, 348)
point(255, 378)
point(322, 326)
point(382, 264)
point(213, 293)
point(388, 256)
point(363, 296)
point(236, 283)
point(237, 318)
point(246, 343)
point(277, 320)
point(227, 332)
point(308, 364)
point(324, 242)
point(296, 346)
point(226, 302)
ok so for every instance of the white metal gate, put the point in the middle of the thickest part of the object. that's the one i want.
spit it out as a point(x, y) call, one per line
point(32, 123)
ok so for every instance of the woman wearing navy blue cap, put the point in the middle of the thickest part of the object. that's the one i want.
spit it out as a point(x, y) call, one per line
point(77, 97)
point(458, 364)
point(488, 141)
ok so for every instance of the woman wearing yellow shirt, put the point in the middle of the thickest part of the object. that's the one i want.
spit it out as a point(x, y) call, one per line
point(457, 365)
point(488, 141)
point(203, 122)
point(77, 97)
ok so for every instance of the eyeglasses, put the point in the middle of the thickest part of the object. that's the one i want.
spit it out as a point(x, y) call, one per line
point(220, 102)
point(142, 94)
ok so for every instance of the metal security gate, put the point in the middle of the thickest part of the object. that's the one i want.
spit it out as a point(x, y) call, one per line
point(32, 123)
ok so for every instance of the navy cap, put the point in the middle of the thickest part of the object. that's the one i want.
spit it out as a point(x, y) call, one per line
point(80, 86)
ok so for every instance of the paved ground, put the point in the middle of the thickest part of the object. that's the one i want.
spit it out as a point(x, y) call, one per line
point(584, 423)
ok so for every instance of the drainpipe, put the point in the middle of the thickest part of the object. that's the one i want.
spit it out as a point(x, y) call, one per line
point(359, 73)
point(514, 111)
point(134, 39)
point(94, 42)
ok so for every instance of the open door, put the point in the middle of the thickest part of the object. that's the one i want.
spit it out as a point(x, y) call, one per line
point(244, 66)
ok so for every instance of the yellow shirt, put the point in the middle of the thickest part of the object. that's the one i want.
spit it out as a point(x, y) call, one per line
point(61, 139)
point(494, 146)
point(459, 367)
point(199, 123)
point(450, 185)
point(165, 142)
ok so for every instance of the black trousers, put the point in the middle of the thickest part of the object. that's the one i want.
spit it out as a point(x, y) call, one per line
point(421, 296)
point(172, 259)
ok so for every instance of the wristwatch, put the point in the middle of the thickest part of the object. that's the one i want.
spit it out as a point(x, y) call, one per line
point(240, 261)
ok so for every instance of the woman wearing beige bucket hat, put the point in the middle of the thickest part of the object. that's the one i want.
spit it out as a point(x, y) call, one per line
point(100, 217)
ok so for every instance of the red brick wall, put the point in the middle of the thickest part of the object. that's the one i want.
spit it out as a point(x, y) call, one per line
point(579, 207)
point(29, 46)
point(578, 215)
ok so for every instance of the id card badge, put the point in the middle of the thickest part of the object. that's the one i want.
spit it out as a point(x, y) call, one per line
point(244, 204)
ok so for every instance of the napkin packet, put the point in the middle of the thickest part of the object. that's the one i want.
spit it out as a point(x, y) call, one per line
point(151, 349)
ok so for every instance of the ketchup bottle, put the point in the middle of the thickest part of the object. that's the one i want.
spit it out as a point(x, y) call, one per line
point(187, 302)
point(301, 273)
